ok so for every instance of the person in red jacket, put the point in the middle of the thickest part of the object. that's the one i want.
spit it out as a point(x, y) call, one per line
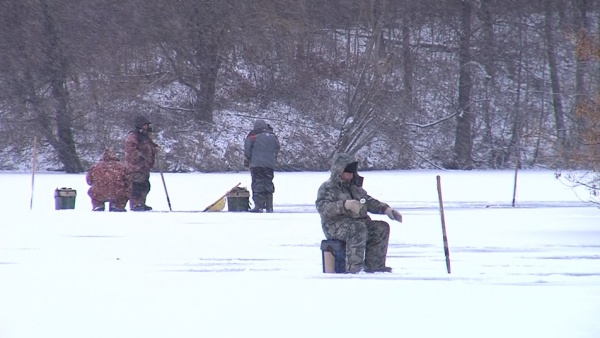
point(110, 182)
point(140, 154)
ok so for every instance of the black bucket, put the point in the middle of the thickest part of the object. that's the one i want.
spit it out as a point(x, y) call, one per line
point(238, 200)
point(64, 198)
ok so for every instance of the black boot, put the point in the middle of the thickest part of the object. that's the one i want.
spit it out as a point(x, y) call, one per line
point(259, 202)
point(381, 269)
point(269, 203)
point(140, 207)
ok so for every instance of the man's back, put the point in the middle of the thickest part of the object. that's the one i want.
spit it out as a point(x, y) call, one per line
point(109, 177)
point(261, 146)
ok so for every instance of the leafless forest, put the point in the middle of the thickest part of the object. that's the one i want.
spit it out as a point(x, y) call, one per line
point(456, 84)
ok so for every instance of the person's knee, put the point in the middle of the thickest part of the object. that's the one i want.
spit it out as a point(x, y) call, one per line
point(379, 230)
point(357, 230)
point(382, 226)
point(386, 227)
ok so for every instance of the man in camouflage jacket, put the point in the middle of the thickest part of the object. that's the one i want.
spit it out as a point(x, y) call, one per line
point(110, 182)
point(140, 154)
point(343, 205)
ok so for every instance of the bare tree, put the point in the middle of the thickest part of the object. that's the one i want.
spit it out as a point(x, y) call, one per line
point(193, 38)
point(367, 84)
point(435, 77)
point(40, 78)
point(582, 33)
point(488, 59)
point(463, 145)
point(57, 64)
point(559, 114)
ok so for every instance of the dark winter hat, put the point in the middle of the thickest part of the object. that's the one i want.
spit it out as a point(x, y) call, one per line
point(260, 124)
point(351, 168)
point(139, 122)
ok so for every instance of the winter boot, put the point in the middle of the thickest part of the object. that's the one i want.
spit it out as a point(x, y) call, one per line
point(142, 207)
point(381, 269)
point(259, 202)
point(100, 208)
point(269, 203)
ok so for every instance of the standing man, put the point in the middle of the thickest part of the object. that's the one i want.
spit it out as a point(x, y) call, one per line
point(140, 153)
point(261, 147)
point(343, 205)
point(110, 182)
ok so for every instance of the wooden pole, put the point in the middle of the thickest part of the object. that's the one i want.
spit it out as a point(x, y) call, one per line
point(166, 192)
point(33, 162)
point(164, 184)
point(445, 236)
point(514, 199)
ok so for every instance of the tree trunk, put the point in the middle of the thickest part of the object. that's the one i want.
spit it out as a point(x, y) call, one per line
point(488, 60)
point(407, 62)
point(463, 145)
point(29, 95)
point(209, 62)
point(559, 115)
point(583, 38)
point(515, 140)
point(57, 71)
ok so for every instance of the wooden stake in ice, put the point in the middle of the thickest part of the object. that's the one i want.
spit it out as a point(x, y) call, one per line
point(33, 162)
point(446, 250)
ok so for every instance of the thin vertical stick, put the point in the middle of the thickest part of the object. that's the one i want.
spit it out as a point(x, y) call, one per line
point(33, 160)
point(514, 199)
point(446, 250)
point(164, 183)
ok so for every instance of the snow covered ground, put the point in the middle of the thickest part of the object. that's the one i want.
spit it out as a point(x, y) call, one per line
point(529, 271)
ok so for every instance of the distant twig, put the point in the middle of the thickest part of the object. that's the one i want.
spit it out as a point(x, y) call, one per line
point(431, 124)
point(428, 160)
point(175, 108)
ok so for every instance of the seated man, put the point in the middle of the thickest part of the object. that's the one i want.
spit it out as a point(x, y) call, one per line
point(110, 182)
point(343, 205)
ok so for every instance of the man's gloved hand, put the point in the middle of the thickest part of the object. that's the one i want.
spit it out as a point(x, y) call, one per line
point(354, 206)
point(393, 214)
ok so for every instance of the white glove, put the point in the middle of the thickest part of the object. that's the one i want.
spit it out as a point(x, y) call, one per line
point(354, 206)
point(393, 215)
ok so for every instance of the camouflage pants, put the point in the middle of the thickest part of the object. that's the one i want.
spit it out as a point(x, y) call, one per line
point(366, 242)
point(117, 199)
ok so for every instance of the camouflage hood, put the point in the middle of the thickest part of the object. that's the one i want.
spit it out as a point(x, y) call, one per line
point(339, 163)
point(108, 156)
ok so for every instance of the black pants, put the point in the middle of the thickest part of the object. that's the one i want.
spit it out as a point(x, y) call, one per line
point(262, 186)
point(262, 180)
point(139, 191)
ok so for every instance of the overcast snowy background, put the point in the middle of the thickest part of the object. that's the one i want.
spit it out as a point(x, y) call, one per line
point(529, 271)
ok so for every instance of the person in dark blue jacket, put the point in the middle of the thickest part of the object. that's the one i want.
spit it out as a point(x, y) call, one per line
point(261, 148)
